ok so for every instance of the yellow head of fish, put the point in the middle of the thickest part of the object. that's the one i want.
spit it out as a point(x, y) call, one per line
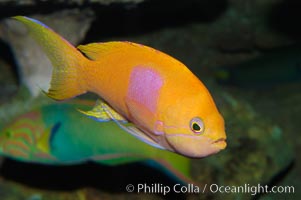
point(194, 127)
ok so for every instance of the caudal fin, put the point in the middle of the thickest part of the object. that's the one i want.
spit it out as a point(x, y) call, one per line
point(67, 61)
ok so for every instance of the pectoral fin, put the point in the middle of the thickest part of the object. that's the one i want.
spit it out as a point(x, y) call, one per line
point(43, 142)
point(99, 113)
point(131, 129)
point(141, 136)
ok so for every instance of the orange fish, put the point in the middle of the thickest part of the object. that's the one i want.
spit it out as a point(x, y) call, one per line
point(169, 107)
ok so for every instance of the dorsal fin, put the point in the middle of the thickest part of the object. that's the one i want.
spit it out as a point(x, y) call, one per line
point(96, 51)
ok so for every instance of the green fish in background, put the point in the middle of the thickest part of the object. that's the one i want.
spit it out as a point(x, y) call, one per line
point(276, 66)
point(58, 134)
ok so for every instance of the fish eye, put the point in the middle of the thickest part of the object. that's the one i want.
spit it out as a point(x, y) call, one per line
point(197, 125)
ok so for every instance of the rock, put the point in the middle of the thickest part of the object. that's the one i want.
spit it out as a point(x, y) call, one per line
point(8, 81)
point(62, 2)
point(10, 190)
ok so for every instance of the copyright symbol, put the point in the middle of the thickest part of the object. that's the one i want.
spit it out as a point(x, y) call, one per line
point(130, 188)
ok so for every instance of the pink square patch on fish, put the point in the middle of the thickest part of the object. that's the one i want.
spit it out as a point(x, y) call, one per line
point(144, 87)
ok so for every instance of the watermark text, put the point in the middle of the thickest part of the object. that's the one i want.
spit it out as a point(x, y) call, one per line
point(158, 188)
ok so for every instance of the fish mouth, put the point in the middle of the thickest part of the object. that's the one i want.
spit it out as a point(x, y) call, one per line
point(220, 143)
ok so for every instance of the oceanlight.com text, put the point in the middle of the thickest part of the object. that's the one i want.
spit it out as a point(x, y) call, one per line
point(251, 189)
point(158, 188)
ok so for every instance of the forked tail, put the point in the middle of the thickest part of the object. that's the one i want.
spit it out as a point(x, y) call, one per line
point(67, 61)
